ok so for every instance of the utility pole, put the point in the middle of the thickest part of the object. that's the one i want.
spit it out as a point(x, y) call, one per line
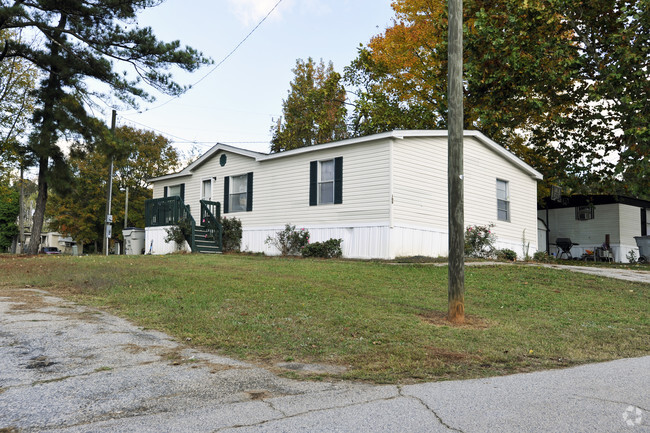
point(126, 208)
point(21, 205)
point(108, 227)
point(456, 289)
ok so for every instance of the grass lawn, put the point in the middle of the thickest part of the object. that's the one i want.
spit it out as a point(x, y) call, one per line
point(384, 322)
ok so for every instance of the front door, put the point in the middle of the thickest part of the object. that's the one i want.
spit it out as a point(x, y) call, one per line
point(206, 190)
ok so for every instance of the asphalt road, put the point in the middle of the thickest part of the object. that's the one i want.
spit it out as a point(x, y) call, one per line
point(67, 368)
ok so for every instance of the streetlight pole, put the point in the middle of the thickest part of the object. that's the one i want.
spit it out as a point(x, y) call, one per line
point(108, 227)
point(456, 216)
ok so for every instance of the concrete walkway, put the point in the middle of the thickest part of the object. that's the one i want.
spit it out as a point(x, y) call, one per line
point(635, 275)
point(66, 368)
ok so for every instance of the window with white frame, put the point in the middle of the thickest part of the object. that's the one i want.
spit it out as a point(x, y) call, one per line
point(206, 189)
point(174, 190)
point(238, 193)
point(326, 182)
point(503, 200)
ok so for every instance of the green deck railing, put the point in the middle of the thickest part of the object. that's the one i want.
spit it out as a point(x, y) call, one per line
point(168, 211)
point(211, 220)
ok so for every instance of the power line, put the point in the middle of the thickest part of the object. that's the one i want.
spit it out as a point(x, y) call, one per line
point(221, 62)
point(180, 140)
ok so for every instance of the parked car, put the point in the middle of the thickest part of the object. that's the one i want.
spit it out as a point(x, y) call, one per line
point(50, 250)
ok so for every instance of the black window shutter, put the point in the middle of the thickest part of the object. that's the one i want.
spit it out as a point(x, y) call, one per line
point(183, 191)
point(226, 192)
point(313, 183)
point(249, 192)
point(338, 180)
point(165, 192)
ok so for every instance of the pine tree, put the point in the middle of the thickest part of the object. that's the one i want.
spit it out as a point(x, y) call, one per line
point(314, 112)
point(82, 42)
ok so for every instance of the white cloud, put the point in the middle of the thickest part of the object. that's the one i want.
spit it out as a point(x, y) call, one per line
point(250, 12)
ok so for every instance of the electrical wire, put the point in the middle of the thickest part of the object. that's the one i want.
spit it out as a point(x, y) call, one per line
point(180, 140)
point(218, 64)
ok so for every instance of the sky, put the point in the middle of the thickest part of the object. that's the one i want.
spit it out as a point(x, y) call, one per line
point(237, 102)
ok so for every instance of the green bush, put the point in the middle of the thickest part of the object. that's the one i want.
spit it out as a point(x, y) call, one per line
point(179, 233)
point(231, 234)
point(542, 256)
point(479, 241)
point(506, 254)
point(289, 241)
point(330, 249)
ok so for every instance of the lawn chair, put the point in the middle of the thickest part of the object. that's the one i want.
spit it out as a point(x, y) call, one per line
point(564, 246)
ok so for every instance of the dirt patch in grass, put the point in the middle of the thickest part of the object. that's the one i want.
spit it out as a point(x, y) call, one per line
point(86, 316)
point(438, 318)
point(447, 355)
point(25, 300)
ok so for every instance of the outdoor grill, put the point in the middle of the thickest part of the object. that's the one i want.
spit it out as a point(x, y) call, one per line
point(564, 245)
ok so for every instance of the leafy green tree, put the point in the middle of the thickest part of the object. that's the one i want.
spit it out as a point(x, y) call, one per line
point(314, 112)
point(81, 41)
point(17, 82)
point(9, 209)
point(562, 84)
point(142, 155)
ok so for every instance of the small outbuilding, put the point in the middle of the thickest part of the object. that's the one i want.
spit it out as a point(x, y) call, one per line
point(384, 195)
point(590, 220)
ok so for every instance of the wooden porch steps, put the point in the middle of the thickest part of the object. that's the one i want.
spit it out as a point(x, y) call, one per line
point(205, 243)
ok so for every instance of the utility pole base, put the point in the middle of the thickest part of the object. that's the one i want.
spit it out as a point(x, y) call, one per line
point(456, 312)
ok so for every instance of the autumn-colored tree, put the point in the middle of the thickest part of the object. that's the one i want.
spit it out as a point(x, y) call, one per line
point(141, 155)
point(80, 42)
point(314, 112)
point(563, 84)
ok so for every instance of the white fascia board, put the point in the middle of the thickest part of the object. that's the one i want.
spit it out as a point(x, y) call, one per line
point(169, 176)
point(397, 134)
point(333, 144)
point(224, 147)
point(187, 171)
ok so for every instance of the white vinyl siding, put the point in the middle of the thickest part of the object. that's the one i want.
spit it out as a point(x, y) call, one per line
point(420, 191)
point(282, 187)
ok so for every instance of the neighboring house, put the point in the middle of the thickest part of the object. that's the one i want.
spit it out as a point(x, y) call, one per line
point(385, 195)
point(54, 239)
point(588, 220)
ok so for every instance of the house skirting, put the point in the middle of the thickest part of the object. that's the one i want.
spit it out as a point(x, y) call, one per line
point(374, 241)
point(361, 241)
point(154, 241)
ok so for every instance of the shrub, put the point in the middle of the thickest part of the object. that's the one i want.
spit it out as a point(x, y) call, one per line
point(506, 254)
point(231, 235)
point(179, 233)
point(329, 249)
point(542, 256)
point(289, 241)
point(479, 241)
point(631, 256)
